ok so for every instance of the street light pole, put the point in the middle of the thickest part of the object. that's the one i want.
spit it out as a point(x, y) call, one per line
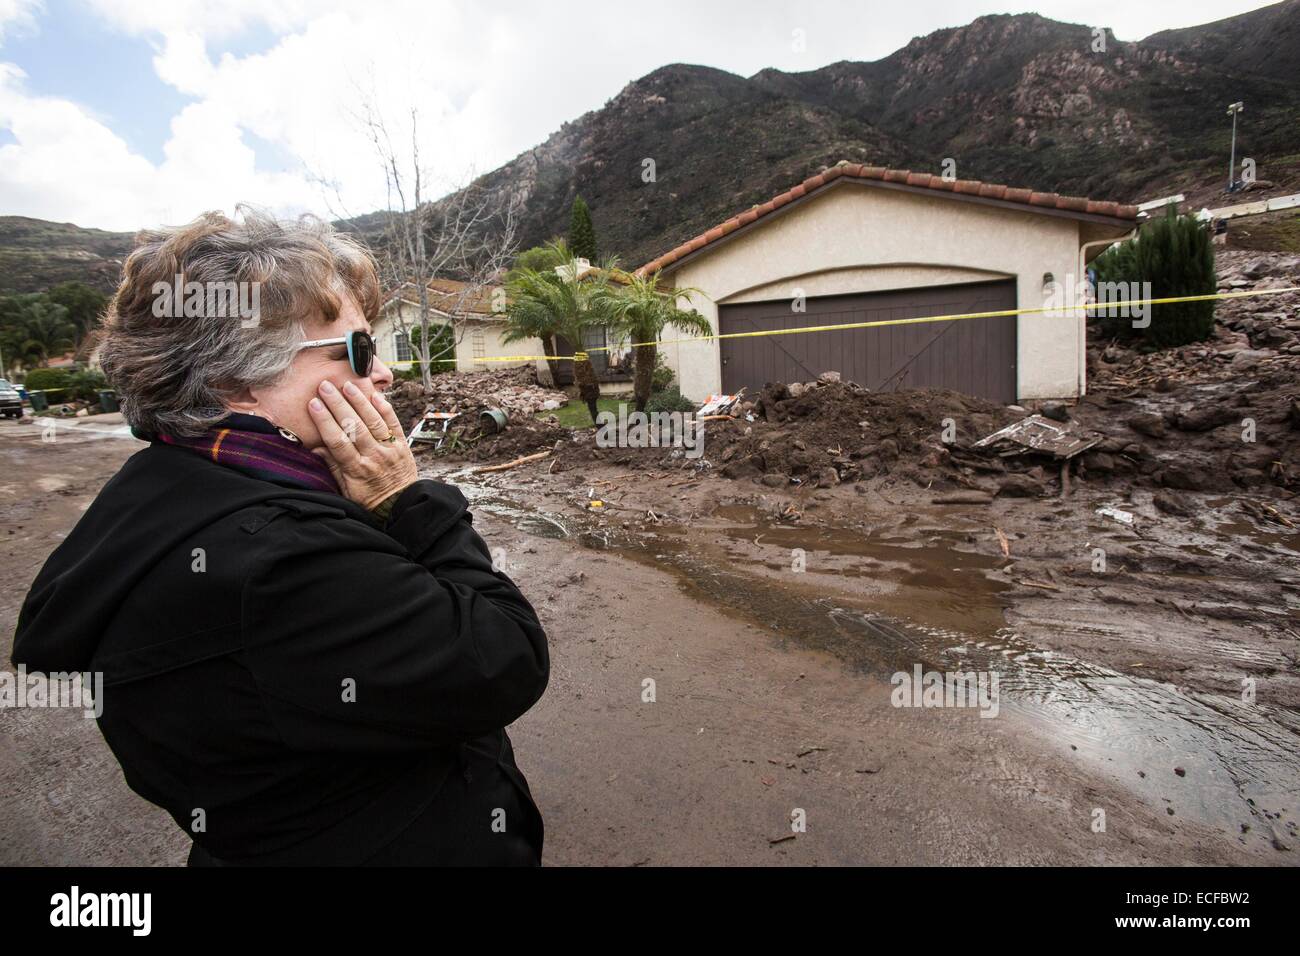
point(1233, 110)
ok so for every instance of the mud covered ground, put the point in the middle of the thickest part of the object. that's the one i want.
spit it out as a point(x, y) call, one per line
point(770, 694)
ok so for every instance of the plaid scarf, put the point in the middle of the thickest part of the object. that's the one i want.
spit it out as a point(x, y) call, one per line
point(255, 447)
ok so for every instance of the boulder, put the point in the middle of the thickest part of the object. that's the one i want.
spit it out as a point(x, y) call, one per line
point(744, 468)
point(1057, 411)
point(1248, 358)
point(1172, 503)
point(1185, 477)
point(1099, 462)
point(1147, 423)
point(1019, 486)
point(1206, 417)
point(828, 478)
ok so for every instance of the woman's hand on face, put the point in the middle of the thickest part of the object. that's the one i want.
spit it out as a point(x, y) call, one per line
point(355, 429)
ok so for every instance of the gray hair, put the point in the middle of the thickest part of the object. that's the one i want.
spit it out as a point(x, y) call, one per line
point(175, 368)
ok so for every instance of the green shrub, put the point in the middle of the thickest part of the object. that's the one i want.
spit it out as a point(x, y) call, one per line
point(662, 376)
point(48, 380)
point(85, 385)
point(669, 400)
point(1175, 254)
point(443, 350)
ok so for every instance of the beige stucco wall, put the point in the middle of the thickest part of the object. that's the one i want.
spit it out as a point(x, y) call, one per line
point(862, 239)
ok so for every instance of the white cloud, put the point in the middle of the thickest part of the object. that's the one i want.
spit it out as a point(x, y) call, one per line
point(67, 165)
point(18, 15)
point(489, 82)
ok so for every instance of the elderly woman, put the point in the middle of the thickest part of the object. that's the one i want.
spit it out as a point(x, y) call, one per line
point(307, 655)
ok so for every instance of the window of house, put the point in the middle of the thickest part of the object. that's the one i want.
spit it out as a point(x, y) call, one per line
point(402, 346)
point(478, 349)
point(620, 348)
point(594, 338)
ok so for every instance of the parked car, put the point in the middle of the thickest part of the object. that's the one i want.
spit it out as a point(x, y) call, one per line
point(11, 403)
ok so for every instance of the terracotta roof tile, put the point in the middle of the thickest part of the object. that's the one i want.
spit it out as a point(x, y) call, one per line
point(965, 187)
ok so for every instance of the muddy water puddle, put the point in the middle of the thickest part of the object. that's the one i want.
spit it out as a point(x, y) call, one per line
point(884, 603)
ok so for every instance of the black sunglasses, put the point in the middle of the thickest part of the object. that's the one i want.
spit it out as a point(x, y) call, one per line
point(361, 349)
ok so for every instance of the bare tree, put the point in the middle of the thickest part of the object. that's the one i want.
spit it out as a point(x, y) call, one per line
point(468, 234)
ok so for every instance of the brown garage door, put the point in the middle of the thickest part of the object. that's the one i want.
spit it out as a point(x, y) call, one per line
point(976, 356)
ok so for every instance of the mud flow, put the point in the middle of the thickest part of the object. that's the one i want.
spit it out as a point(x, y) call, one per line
point(883, 601)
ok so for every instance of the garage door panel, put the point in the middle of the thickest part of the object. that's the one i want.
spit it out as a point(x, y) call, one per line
point(976, 356)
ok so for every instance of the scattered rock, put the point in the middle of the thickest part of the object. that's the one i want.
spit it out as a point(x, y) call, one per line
point(1186, 476)
point(1099, 461)
point(1057, 411)
point(1172, 504)
point(1147, 423)
point(1205, 417)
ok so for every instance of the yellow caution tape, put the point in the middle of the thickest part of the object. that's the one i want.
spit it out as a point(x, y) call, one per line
point(1169, 300)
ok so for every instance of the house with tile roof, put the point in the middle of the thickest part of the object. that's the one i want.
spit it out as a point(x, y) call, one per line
point(477, 314)
point(864, 244)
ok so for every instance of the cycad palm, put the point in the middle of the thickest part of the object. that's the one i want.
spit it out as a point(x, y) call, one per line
point(638, 308)
point(560, 302)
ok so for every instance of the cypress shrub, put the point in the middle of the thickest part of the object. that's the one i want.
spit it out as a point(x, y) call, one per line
point(1175, 254)
point(582, 234)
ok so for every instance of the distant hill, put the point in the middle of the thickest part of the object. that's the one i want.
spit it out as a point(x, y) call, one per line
point(35, 254)
point(1021, 100)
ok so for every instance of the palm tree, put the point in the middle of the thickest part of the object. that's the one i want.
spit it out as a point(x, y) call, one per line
point(640, 309)
point(561, 301)
point(39, 329)
point(532, 324)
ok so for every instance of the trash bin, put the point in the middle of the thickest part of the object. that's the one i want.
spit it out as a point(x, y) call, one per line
point(38, 400)
point(107, 400)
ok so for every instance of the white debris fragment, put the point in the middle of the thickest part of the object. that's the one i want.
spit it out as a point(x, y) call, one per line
point(1123, 517)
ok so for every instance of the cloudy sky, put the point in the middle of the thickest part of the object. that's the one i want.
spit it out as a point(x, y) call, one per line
point(126, 113)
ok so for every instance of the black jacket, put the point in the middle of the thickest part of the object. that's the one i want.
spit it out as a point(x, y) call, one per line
point(292, 682)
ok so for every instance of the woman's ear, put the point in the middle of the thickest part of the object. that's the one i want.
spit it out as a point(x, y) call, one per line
point(243, 401)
